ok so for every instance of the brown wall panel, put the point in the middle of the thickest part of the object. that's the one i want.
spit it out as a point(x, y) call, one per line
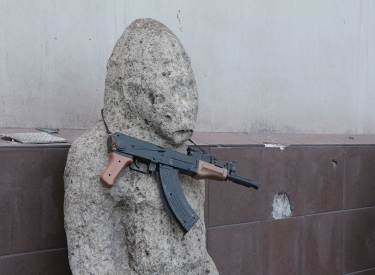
point(324, 179)
point(283, 171)
point(31, 199)
point(360, 177)
point(47, 262)
point(231, 203)
point(324, 244)
point(235, 249)
point(281, 246)
point(359, 239)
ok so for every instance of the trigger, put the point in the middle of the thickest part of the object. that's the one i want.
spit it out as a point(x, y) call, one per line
point(136, 163)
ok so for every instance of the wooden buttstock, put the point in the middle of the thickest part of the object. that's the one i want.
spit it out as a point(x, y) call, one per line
point(209, 171)
point(116, 164)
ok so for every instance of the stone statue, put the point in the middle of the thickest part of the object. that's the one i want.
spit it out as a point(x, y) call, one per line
point(150, 94)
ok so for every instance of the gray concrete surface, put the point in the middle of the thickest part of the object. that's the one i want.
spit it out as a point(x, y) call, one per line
point(260, 66)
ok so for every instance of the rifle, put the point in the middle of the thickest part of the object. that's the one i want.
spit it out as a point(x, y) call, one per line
point(166, 164)
point(126, 151)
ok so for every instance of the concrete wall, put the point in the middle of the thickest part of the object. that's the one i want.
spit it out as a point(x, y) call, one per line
point(261, 66)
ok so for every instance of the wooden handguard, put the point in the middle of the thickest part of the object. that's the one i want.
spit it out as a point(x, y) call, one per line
point(209, 171)
point(116, 164)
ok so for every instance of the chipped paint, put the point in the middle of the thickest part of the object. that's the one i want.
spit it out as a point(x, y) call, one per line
point(275, 145)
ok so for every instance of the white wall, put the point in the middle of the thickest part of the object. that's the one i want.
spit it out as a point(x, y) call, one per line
point(262, 66)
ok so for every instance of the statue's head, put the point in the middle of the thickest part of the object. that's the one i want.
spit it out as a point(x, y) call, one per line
point(152, 72)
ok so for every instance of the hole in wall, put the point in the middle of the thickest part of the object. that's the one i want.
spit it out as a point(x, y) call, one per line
point(334, 162)
point(281, 206)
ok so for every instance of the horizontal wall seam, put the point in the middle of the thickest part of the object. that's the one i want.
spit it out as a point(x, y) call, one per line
point(32, 252)
point(293, 217)
point(360, 271)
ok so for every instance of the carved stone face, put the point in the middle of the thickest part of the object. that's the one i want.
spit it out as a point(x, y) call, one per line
point(158, 81)
point(169, 109)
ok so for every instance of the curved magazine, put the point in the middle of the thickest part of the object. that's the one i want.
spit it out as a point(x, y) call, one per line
point(174, 198)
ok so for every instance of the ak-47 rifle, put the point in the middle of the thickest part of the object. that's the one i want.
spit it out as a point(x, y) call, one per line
point(167, 164)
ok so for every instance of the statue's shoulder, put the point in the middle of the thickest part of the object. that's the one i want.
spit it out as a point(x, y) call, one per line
point(87, 156)
point(92, 142)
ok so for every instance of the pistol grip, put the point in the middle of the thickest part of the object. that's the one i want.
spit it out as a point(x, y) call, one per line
point(116, 164)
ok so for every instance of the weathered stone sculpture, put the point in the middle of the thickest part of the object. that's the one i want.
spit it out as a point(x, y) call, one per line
point(150, 94)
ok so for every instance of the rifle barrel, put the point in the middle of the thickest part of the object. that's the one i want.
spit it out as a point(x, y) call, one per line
point(242, 181)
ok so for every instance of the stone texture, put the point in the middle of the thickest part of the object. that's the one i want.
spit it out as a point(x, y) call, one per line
point(150, 94)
